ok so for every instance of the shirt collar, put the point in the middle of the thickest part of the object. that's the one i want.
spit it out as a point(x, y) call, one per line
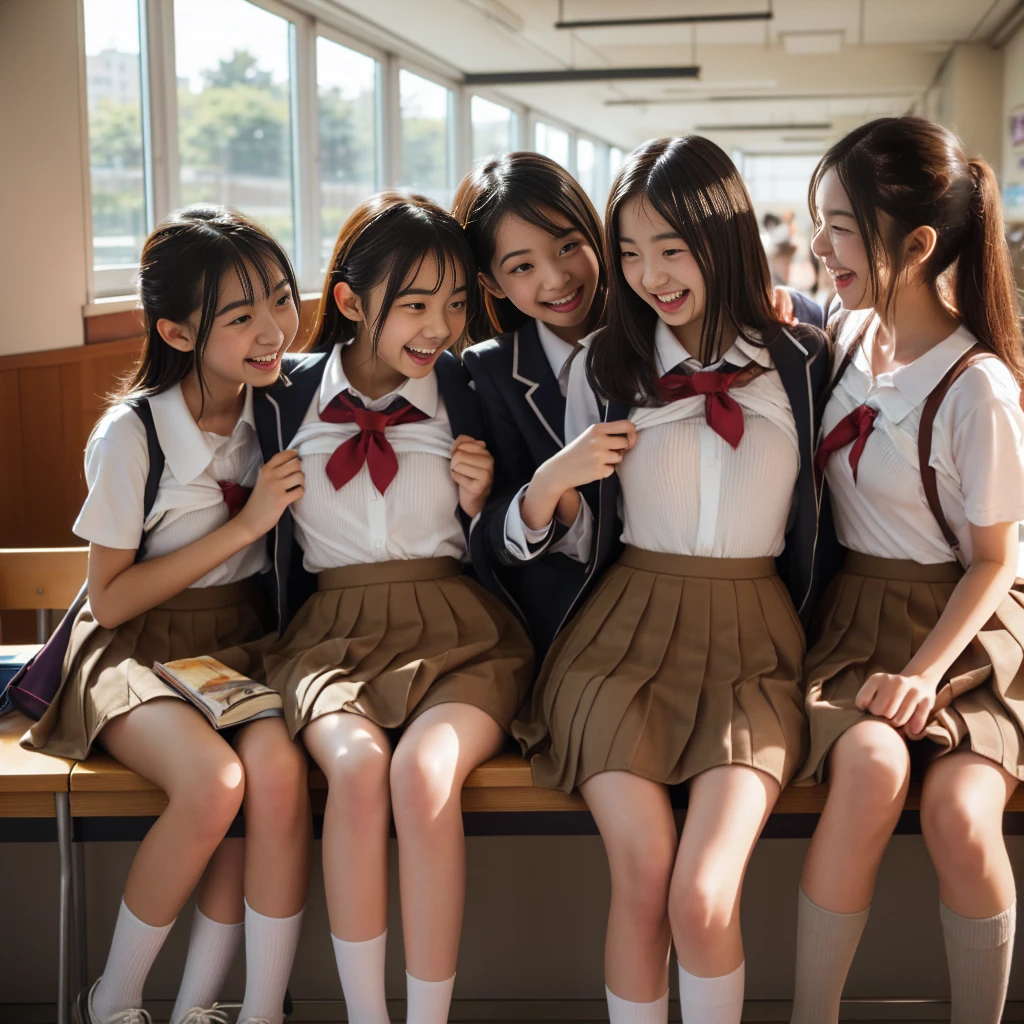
point(186, 448)
point(671, 353)
point(418, 391)
point(556, 350)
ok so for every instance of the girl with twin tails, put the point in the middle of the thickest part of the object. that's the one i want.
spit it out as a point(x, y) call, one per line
point(684, 664)
point(179, 502)
point(400, 671)
point(923, 450)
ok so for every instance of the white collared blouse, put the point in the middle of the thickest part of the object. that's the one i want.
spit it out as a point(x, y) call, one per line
point(685, 490)
point(416, 517)
point(189, 503)
point(977, 450)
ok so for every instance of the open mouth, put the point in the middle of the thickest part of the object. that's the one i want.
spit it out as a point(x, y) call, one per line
point(567, 303)
point(671, 302)
point(421, 356)
point(843, 278)
point(265, 363)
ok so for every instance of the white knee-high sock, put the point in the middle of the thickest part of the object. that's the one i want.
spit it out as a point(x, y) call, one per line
point(211, 949)
point(622, 1011)
point(361, 969)
point(270, 944)
point(132, 952)
point(979, 952)
point(712, 1000)
point(427, 1002)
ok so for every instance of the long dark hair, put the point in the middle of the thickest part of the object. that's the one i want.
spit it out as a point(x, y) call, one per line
point(694, 186)
point(916, 171)
point(531, 187)
point(180, 272)
point(389, 236)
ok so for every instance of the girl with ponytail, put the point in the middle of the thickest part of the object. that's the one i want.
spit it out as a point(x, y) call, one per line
point(918, 652)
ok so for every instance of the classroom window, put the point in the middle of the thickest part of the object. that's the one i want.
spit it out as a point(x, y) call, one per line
point(586, 167)
point(116, 148)
point(426, 137)
point(552, 142)
point(234, 111)
point(348, 91)
point(495, 129)
point(616, 158)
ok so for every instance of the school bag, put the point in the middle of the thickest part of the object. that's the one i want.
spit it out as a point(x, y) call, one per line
point(35, 685)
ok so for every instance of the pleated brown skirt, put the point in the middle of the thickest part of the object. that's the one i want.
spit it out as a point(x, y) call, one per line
point(876, 614)
point(391, 639)
point(109, 671)
point(675, 665)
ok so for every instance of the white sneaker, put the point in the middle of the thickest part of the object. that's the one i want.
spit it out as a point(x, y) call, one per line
point(85, 1014)
point(205, 1015)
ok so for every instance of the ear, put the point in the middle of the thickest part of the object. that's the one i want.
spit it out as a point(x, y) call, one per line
point(489, 284)
point(349, 304)
point(920, 244)
point(178, 336)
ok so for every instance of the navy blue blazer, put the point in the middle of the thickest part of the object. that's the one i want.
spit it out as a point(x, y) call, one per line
point(523, 415)
point(806, 310)
point(279, 411)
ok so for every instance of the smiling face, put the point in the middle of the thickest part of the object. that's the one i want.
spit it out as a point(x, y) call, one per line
point(659, 266)
point(427, 317)
point(551, 278)
point(838, 243)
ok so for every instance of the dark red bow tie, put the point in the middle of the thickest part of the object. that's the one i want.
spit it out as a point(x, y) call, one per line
point(855, 427)
point(722, 411)
point(235, 496)
point(369, 445)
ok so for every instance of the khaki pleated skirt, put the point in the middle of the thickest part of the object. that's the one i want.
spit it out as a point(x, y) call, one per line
point(875, 615)
point(389, 640)
point(675, 665)
point(109, 671)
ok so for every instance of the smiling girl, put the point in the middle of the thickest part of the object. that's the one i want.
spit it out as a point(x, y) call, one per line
point(684, 664)
point(173, 573)
point(923, 448)
point(401, 673)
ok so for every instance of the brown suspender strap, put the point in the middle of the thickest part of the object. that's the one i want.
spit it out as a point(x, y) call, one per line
point(924, 439)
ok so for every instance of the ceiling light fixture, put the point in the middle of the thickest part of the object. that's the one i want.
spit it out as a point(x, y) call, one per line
point(809, 125)
point(569, 75)
point(675, 19)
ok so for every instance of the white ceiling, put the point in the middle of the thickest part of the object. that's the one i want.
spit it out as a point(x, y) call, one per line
point(884, 55)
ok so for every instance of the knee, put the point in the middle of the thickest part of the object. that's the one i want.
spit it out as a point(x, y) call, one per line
point(357, 781)
point(277, 784)
point(211, 796)
point(869, 772)
point(959, 839)
point(424, 784)
point(701, 906)
point(641, 874)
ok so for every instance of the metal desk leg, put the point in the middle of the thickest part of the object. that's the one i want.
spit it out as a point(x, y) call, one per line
point(81, 972)
point(63, 806)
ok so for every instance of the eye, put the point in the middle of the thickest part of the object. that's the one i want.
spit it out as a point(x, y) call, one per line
point(459, 304)
point(415, 305)
point(568, 247)
point(522, 268)
point(240, 319)
point(672, 252)
point(285, 299)
point(627, 254)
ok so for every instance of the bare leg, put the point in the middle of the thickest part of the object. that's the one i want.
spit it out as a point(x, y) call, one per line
point(634, 817)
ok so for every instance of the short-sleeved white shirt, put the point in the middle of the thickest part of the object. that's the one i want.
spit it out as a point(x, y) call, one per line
point(977, 450)
point(189, 503)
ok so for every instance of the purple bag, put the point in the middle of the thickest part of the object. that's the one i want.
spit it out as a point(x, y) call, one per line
point(38, 681)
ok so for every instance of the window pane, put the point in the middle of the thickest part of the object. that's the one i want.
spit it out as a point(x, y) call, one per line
point(116, 165)
point(615, 160)
point(234, 110)
point(585, 167)
point(552, 142)
point(494, 129)
point(425, 137)
point(347, 87)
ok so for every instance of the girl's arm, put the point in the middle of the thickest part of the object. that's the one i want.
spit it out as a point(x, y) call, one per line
point(120, 588)
point(907, 699)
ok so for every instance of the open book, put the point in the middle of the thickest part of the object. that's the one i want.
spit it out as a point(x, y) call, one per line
point(223, 695)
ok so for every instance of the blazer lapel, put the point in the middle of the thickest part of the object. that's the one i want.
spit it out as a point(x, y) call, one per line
point(531, 369)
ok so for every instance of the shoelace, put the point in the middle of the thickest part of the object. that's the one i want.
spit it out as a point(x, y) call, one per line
point(205, 1015)
point(130, 1016)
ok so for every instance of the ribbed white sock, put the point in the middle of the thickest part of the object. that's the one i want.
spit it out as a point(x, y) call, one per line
point(270, 944)
point(132, 952)
point(979, 951)
point(211, 949)
point(361, 969)
point(622, 1011)
point(427, 1001)
point(712, 1000)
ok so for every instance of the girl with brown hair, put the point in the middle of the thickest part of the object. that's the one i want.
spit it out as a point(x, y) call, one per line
point(922, 448)
point(399, 670)
point(176, 553)
point(684, 664)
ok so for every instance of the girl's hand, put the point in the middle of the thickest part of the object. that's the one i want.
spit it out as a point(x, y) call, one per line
point(906, 701)
point(592, 456)
point(472, 469)
point(782, 305)
point(280, 483)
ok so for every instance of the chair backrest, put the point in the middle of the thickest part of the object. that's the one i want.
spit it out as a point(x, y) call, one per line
point(41, 578)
